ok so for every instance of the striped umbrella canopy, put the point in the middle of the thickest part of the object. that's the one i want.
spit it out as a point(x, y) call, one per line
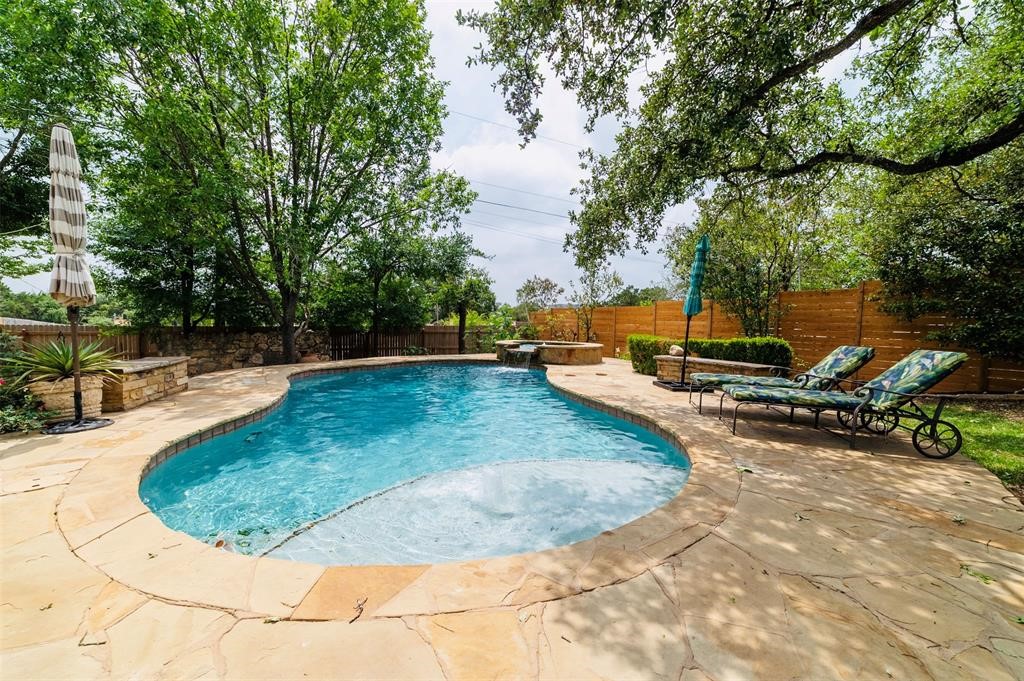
point(694, 303)
point(70, 282)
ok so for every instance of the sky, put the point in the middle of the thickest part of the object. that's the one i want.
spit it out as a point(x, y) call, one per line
point(520, 243)
point(520, 218)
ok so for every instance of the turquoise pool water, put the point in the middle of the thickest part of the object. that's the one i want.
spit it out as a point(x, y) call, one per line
point(423, 463)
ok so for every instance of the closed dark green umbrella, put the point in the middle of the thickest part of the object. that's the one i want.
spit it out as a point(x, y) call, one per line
point(694, 302)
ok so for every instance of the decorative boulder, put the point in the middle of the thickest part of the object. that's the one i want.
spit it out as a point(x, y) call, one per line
point(676, 351)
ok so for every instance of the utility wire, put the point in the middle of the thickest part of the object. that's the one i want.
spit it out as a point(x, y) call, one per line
point(523, 191)
point(512, 127)
point(535, 237)
point(532, 210)
point(517, 219)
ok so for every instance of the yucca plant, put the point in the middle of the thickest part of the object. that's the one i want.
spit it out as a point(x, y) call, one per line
point(55, 360)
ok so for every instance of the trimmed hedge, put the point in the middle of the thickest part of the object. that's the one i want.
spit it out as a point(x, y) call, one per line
point(758, 350)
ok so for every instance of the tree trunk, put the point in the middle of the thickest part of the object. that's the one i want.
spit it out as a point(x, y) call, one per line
point(463, 309)
point(187, 291)
point(375, 321)
point(289, 306)
point(218, 288)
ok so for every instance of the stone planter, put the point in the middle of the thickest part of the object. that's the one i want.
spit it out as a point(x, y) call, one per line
point(59, 396)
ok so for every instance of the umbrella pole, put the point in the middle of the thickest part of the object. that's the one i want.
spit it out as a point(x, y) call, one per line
point(686, 350)
point(75, 366)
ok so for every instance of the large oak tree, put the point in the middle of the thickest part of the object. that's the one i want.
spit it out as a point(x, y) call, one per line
point(737, 91)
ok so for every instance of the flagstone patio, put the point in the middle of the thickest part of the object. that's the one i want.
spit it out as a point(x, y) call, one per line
point(786, 556)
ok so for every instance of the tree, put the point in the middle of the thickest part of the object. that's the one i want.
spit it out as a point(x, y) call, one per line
point(538, 293)
point(631, 295)
point(300, 122)
point(49, 67)
point(465, 290)
point(952, 243)
point(743, 97)
point(595, 285)
point(795, 235)
point(37, 306)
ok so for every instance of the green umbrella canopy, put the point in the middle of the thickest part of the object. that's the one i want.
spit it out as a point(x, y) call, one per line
point(694, 303)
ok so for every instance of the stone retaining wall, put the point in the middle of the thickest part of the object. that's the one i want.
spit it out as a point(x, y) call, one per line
point(669, 367)
point(211, 349)
point(145, 380)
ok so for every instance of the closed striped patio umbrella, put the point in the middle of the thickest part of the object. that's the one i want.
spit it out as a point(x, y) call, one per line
point(71, 284)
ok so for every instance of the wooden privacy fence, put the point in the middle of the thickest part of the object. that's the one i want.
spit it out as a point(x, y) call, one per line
point(125, 345)
point(814, 323)
point(435, 340)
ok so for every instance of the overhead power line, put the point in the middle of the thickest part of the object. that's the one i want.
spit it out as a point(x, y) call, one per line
point(512, 127)
point(523, 191)
point(531, 210)
point(535, 237)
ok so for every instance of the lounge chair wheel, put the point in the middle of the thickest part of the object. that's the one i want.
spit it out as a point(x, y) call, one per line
point(937, 440)
point(883, 424)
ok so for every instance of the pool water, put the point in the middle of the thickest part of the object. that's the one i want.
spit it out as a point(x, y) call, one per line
point(415, 464)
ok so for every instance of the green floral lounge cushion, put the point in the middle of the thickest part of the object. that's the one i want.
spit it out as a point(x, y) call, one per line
point(916, 373)
point(840, 363)
point(729, 379)
point(826, 399)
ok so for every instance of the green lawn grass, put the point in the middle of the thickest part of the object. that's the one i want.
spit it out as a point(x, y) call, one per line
point(992, 439)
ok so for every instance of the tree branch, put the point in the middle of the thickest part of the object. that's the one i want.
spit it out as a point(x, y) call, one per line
point(951, 156)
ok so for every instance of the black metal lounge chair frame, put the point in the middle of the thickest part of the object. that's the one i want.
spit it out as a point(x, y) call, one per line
point(776, 372)
point(931, 436)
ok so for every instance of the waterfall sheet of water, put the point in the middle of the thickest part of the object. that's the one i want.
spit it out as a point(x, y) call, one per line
point(518, 358)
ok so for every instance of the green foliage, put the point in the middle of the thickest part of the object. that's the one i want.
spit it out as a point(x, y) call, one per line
point(744, 93)
point(631, 295)
point(763, 350)
point(786, 238)
point(37, 306)
point(55, 361)
point(538, 293)
point(597, 283)
point(952, 243)
point(264, 135)
point(20, 411)
point(642, 350)
point(49, 68)
point(993, 438)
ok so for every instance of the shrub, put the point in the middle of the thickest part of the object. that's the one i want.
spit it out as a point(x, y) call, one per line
point(758, 350)
point(54, 361)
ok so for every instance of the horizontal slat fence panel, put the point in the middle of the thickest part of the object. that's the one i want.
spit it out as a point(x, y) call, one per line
point(436, 340)
point(125, 346)
point(814, 323)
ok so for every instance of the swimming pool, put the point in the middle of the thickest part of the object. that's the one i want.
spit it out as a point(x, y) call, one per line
point(416, 464)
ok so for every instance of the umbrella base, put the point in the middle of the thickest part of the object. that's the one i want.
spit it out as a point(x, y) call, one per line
point(674, 386)
point(65, 427)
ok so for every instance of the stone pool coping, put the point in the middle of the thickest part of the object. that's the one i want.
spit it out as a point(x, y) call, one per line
point(108, 526)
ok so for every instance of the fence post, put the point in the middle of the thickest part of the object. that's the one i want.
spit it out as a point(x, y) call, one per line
point(655, 323)
point(860, 315)
point(615, 330)
point(711, 320)
point(985, 365)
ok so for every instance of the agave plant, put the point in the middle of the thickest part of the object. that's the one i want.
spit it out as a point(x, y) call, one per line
point(55, 361)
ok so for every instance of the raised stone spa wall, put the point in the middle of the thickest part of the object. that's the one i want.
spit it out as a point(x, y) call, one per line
point(211, 349)
point(555, 352)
